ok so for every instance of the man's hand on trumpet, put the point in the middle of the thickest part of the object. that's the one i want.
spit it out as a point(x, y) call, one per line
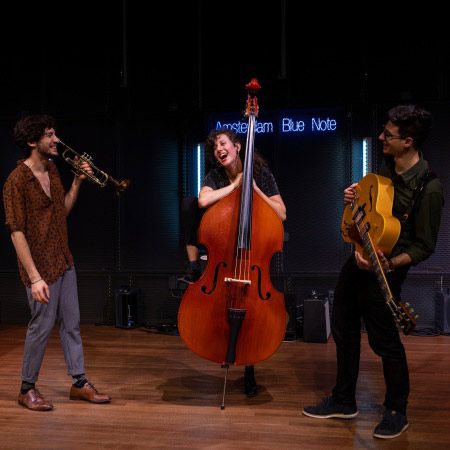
point(83, 166)
point(72, 194)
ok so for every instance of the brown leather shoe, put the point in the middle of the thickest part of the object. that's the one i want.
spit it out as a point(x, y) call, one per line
point(34, 400)
point(88, 393)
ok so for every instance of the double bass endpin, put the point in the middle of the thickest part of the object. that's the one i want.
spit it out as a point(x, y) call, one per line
point(226, 367)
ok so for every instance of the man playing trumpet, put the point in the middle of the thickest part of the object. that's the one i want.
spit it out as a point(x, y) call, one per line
point(36, 207)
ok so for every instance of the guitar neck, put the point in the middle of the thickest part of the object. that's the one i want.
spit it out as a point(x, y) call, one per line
point(401, 313)
point(377, 268)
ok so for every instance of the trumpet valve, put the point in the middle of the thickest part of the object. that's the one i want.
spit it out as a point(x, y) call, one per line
point(87, 157)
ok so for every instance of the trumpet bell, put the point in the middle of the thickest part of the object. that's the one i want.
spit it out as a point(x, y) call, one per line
point(121, 185)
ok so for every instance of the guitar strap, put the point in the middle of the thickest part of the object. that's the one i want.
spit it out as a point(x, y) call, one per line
point(418, 190)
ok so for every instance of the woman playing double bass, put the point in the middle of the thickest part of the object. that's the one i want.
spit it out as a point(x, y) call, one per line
point(225, 146)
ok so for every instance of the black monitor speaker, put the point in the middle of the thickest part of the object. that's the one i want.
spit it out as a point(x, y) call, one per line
point(442, 299)
point(127, 307)
point(316, 325)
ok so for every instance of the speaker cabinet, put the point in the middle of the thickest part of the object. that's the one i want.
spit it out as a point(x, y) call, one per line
point(316, 325)
point(127, 307)
point(442, 304)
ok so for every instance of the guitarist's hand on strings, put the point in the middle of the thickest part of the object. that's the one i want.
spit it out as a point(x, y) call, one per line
point(365, 264)
point(362, 263)
point(386, 263)
point(350, 193)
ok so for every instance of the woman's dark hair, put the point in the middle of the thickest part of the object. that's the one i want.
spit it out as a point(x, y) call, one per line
point(412, 121)
point(258, 161)
point(31, 129)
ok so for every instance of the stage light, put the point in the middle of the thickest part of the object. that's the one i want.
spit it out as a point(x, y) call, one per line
point(200, 170)
point(366, 156)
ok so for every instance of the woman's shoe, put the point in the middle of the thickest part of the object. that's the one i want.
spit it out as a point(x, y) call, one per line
point(250, 386)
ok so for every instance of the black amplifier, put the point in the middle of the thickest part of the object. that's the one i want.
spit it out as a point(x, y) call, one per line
point(316, 322)
point(442, 305)
point(127, 307)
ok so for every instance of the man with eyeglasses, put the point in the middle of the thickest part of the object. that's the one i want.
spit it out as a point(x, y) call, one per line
point(357, 292)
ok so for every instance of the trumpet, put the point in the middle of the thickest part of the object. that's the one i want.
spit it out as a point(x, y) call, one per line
point(97, 176)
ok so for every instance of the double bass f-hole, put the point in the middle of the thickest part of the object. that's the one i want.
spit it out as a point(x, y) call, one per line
point(261, 296)
point(216, 276)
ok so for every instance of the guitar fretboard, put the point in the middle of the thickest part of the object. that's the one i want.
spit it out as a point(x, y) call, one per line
point(401, 316)
point(377, 268)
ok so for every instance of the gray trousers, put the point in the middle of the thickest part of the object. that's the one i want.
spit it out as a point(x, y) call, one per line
point(62, 306)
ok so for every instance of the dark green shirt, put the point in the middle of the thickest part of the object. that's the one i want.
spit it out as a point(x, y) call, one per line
point(418, 235)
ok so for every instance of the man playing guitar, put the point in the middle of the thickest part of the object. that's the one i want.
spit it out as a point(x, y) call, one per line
point(358, 292)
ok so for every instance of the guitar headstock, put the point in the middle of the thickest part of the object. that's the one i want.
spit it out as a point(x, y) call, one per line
point(405, 318)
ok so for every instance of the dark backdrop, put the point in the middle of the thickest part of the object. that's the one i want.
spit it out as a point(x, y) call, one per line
point(136, 88)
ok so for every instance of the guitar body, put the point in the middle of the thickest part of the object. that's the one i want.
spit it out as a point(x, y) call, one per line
point(369, 225)
point(375, 194)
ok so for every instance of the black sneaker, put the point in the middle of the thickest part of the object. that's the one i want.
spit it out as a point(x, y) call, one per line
point(192, 274)
point(392, 424)
point(328, 408)
point(190, 277)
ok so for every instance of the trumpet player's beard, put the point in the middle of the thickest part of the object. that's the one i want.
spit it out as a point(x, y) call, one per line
point(48, 152)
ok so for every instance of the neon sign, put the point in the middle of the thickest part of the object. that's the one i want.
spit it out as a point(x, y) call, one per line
point(287, 124)
point(241, 127)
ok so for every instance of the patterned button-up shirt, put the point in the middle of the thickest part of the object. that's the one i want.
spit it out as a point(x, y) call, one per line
point(41, 218)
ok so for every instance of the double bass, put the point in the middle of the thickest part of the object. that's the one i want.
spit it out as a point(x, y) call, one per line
point(233, 314)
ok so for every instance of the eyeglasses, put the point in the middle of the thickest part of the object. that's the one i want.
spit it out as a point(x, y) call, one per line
point(389, 136)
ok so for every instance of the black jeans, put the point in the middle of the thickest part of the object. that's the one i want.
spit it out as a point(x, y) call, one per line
point(358, 295)
point(191, 216)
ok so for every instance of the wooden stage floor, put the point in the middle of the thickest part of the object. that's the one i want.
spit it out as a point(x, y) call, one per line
point(166, 397)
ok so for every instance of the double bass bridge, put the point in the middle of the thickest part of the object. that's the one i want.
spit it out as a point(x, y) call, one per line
point(237, 280)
